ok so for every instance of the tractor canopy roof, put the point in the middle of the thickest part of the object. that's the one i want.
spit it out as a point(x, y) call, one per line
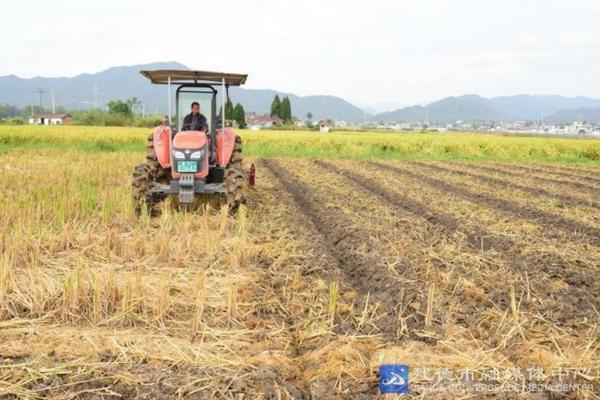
point(180, 77)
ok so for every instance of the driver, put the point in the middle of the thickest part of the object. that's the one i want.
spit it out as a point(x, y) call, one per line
point(195, 121)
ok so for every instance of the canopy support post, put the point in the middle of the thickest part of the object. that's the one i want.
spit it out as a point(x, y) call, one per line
point(223, 101)
point(170, 124)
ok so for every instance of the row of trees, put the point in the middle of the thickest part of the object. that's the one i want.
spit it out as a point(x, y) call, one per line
point(235, 113)
point(282, 109)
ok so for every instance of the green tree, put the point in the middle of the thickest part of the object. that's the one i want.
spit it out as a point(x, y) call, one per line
point(276, 107)
point(309, 116)
point(228, 111)
point(239, 115)
point(286, 110)
point(8, 111)
point(133, 103)
point(119, 107)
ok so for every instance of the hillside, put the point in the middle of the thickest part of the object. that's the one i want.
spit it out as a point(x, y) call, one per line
point(580, 114)
point(85, 90)
point(477, 108)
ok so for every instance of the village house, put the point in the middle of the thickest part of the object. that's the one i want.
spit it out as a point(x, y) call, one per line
point(257, 122)
point(50, 119)
point(324, 126)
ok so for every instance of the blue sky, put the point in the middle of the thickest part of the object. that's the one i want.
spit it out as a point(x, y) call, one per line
point(374, 53)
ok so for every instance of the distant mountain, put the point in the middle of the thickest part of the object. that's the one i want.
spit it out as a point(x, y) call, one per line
point(580, 114)
point(527, 107)
point(477, 108)
point(450, 109)
point(85, 90)
point(321, 107)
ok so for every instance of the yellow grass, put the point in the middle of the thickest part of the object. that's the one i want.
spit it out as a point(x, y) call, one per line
point(96, 302)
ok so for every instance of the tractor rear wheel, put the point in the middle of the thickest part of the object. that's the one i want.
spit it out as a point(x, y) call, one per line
point(234, 178)
point(143, 181)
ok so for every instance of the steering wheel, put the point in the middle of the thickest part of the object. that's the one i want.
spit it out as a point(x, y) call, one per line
point(184, 126)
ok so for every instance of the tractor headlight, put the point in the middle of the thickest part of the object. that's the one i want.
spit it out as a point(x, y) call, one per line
point(197, 155)
point(178, 155)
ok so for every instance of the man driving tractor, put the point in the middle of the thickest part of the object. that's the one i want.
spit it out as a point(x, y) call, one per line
point(195, 121)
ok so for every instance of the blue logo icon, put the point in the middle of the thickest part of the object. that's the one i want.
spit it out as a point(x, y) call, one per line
point(393, 378)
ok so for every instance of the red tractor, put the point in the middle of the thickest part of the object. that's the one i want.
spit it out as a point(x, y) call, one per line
point(191, 163)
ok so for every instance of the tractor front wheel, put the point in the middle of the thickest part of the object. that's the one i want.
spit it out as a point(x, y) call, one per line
point(143, 181)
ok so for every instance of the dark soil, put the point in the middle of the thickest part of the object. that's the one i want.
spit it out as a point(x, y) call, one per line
point(552, 222)
point(570, 174)
point(540, 267)
point(503, 183)
point(511, 171)
point(342, 240)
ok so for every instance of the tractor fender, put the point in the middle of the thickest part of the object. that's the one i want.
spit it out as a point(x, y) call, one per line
point(161, 145)
point(225, 145)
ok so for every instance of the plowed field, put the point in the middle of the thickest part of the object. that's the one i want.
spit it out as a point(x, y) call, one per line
point(333, 268)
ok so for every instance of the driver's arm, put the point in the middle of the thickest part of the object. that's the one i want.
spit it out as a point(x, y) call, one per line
point(187, 121)
point(203, 123)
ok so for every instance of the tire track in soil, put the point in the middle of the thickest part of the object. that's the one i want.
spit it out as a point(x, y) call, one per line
point(554, 171)
point(580, 281)
point(295, 385)
point(542, 218)
point(512, 172)
point(565, 199)
point(341, 239)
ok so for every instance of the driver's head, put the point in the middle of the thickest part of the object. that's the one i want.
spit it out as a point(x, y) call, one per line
point(195, 108)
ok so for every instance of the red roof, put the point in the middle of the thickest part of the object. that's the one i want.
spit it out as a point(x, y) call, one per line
point(263, 119)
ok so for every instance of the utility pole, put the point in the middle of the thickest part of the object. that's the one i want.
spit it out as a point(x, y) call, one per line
point(40, 92)
point(53, 105)
point(143, 110)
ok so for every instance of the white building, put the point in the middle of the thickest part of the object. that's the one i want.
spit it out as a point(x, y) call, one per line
point(323, 126)
point(50, 119)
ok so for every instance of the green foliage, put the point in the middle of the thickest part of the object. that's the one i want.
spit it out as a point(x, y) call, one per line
point(103, 118)
point(286, 110)
point(309, 116)
point(16, 121)
point(133, 103)
point(8, 111)
point(119, 107)
point(276, 107)
point(239, 115)
point(229, 113)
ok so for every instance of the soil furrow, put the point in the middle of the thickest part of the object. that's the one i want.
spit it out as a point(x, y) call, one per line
point(477, 238)
point(512, 172)
point(552, 266)
point(545, 219)
point(554, 171)
point(567, 200)
point(365, 273)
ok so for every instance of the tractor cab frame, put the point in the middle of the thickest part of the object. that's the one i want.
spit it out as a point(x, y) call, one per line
point(188, 79)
